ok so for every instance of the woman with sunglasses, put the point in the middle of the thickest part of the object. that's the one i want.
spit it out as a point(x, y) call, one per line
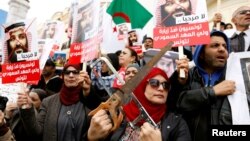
point(62, 116)
point(152, 92)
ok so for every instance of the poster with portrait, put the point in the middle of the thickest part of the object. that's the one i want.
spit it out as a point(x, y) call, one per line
point(20, 38)
point(85, 39)
point(20, 62)
point(44, 48)
point(122, 30)
point(245, 65)
point(185, 22)
point(85, 21)
point(238, 66)
point(166, 63)
point(53, 30)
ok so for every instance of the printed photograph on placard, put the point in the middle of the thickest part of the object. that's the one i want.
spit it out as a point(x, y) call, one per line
point(86, 21)
point(60, 59)
point(20, 41)
point(53, 30)
point(245, 65)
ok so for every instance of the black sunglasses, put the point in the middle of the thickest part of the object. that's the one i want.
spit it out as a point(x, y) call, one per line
point(154, 83)
point(244, 12)
point(67, 72)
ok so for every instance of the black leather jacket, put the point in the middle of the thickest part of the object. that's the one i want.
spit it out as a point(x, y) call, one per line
point(200, 107)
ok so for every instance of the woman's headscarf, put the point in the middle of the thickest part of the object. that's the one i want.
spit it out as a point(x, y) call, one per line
point(70, 95)
point(156, 111)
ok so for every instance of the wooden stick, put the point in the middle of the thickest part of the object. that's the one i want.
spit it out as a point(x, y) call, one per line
point(181, 55)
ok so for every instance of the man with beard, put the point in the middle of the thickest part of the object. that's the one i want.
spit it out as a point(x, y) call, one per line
point(132, 37)
point(17, 42)
point(49, 31)
point(173, 9)
point(132, 40)
point(85, 24)
point(49, 81)
point(202, 99)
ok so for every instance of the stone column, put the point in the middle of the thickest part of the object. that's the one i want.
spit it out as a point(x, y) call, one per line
point(18, 10)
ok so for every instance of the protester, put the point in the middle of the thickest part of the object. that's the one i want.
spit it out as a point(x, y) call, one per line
point(12, 115)
point(131, 71)
point(152, 93)
point(5, 132)
point(228, 26)
point(217, 22)
point(102, 77)
point(49, 80)
point(240, 41)
point(37, 96)
point(148, 43)
point(126, 57)
point(203, 98)
point(62, 116)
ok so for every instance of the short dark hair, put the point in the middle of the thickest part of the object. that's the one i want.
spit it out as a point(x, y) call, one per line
point(50, 62)
point(149, 38)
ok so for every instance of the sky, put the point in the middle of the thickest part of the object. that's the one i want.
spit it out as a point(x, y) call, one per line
point(42, 9)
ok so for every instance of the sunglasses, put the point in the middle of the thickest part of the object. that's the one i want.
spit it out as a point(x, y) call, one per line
point(68, 72)
point(243, 12)
point(154, 83)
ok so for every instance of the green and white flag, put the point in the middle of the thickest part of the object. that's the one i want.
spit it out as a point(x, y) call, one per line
point(129, 11)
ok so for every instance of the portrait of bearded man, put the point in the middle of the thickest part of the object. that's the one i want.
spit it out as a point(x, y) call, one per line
point(173, 9)
point(17, 42)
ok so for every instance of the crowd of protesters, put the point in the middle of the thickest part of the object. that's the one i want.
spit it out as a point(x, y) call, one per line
point(183, 108)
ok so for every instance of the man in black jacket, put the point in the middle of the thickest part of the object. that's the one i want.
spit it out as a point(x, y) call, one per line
point(49, 81)
point(203, 99)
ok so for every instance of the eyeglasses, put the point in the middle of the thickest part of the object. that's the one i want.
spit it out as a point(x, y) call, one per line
point(134, 72)
point(154, 83)
point(243, 12)
point(68, 72)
